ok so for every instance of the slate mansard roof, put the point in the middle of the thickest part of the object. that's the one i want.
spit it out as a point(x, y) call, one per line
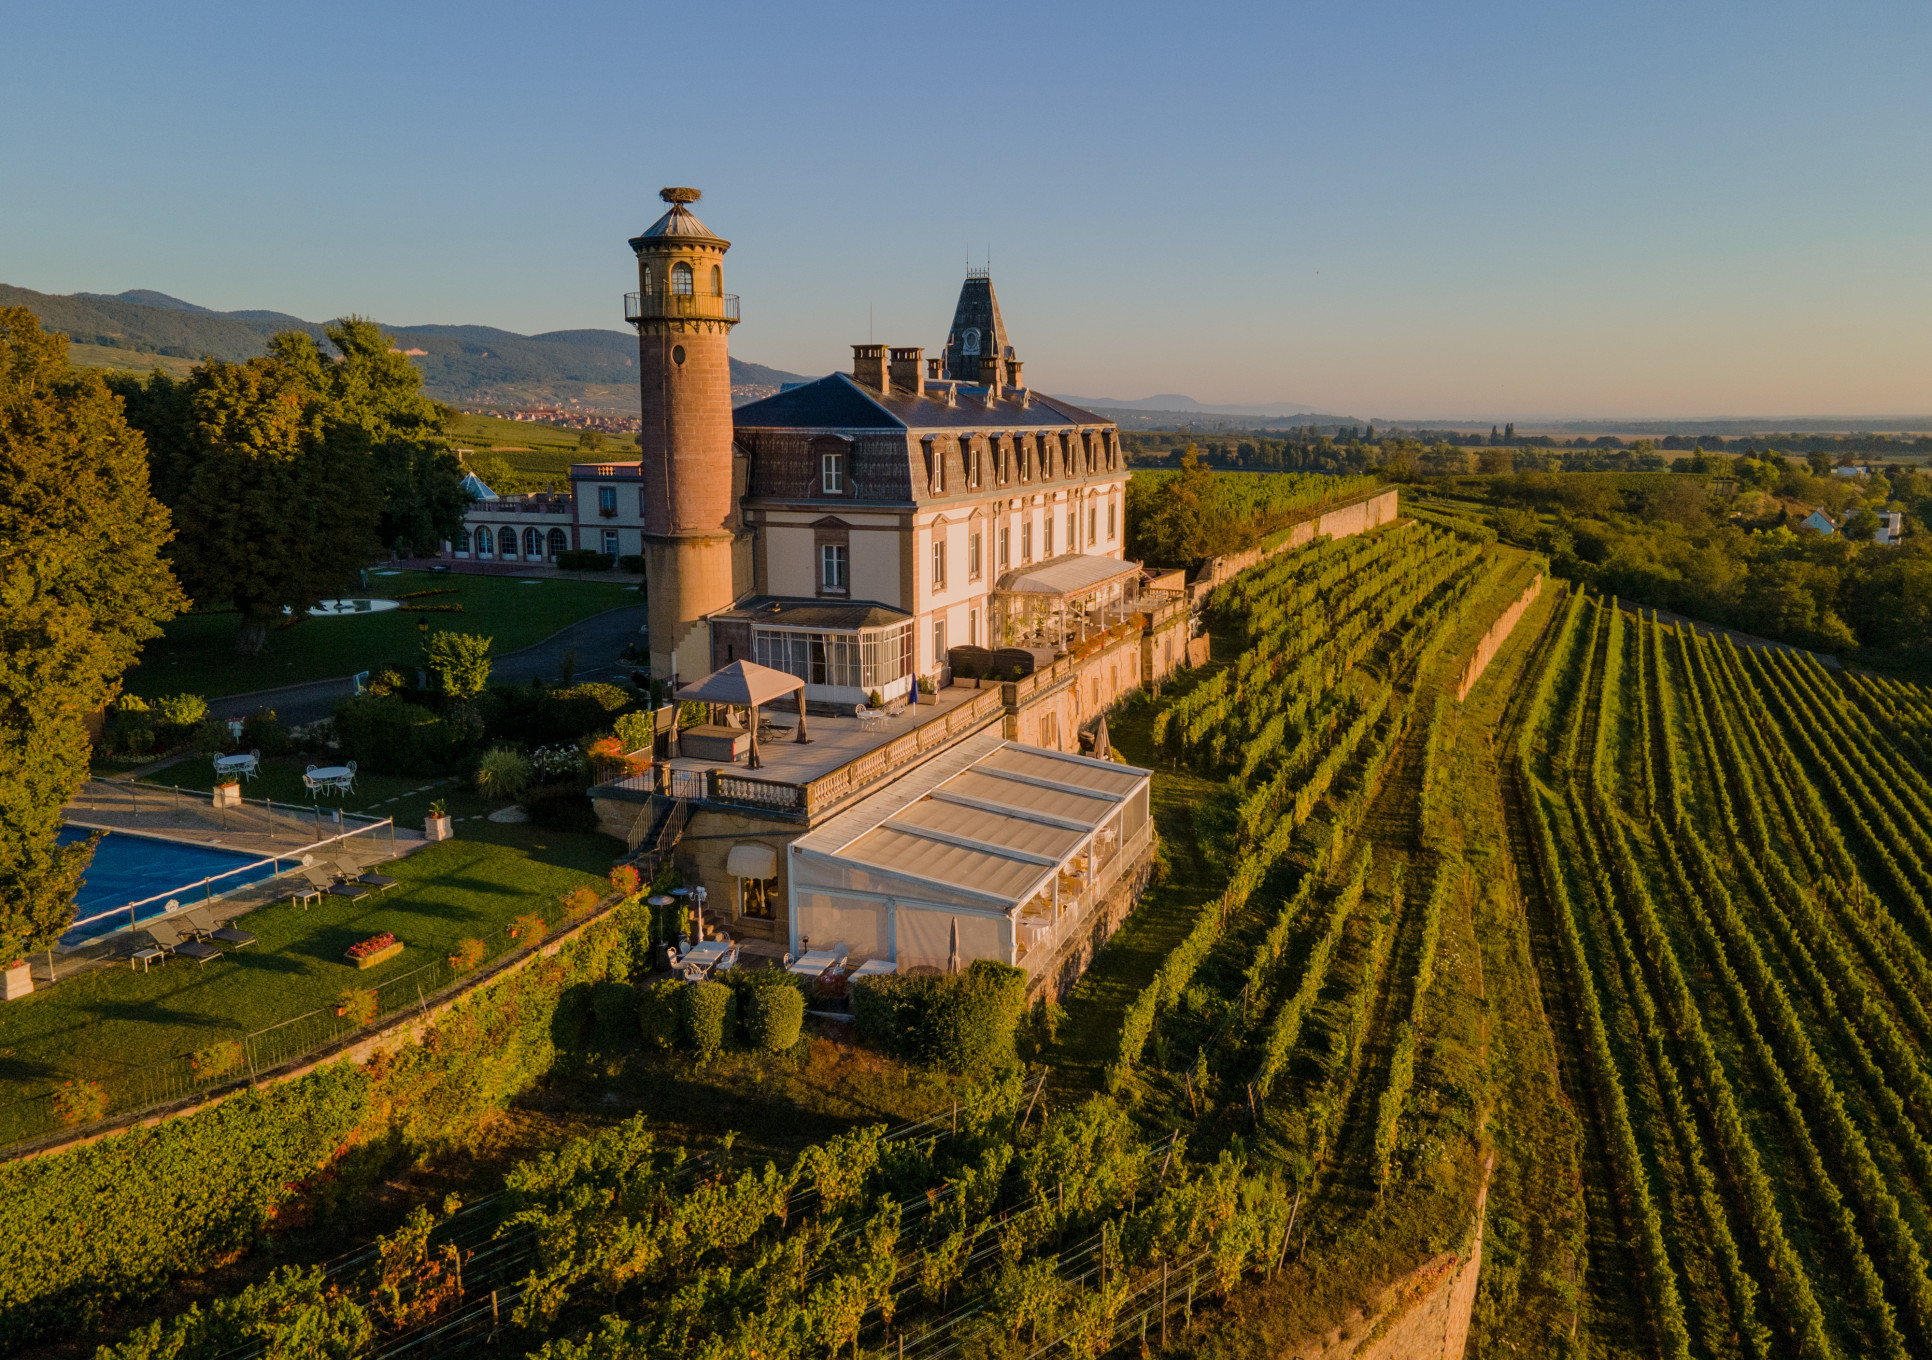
point(837, 402)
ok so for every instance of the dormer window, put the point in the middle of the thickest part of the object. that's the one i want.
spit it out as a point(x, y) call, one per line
point(681, 280)
point(831, 474)
point(969, 343)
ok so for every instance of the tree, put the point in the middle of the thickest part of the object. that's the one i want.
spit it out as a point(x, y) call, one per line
point(376, 389)
point(460, 662)
point(85, 585)
point(280, 508)
point(1495, 461)
point(590, 440)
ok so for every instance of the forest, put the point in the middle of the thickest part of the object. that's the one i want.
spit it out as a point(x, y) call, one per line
point(1726, 544)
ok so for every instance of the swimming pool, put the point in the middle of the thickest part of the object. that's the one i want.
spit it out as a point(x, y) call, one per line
point(129, 868)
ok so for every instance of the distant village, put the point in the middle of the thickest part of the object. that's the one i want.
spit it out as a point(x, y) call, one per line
point(585, 418)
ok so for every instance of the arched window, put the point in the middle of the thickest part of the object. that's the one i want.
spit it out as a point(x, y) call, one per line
point(463, 540)
point(485, 541)
point(681, 279)
point(717, 281)
point(969, 343)
point(506, 543)
point(532, 544)
point(649, 287)
point(559, 545)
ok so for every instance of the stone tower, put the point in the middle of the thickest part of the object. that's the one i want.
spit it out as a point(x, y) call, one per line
point(684, 318)
point(978, 335)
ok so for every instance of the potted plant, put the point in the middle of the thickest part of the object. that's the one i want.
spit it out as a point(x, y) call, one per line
point(436, 824)
point(18, 980)
point(228, 793)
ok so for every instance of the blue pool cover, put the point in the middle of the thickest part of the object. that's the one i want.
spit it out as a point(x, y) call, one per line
point(129, 868)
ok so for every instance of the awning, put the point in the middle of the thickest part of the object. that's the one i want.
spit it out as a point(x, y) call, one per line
point(742, 682)
point(1068, 575)
point(752, 859)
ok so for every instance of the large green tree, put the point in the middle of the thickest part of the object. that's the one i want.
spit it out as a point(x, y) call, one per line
point(289, 472)
point(279, 506)
point(371, 385)
point(82, 585)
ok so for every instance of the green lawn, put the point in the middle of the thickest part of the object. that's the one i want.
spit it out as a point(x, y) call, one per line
point(197, 652)
point(122, 1027)
point(406, 798)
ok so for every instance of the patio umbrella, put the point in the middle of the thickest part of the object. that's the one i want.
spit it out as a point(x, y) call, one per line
point(952, 953)
point(1101, 744)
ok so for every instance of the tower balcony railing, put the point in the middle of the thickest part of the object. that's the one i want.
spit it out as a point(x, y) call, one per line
point(701, 306)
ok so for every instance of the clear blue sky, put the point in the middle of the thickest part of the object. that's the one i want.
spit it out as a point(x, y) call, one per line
point(1402, 210)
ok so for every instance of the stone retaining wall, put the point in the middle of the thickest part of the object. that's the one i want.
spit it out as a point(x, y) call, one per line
point(1494, 638)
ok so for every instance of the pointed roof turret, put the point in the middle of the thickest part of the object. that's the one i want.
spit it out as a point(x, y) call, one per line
point(978, 332)
point(679, 222)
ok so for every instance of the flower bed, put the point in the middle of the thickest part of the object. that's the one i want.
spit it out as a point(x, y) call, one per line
point(374, 950)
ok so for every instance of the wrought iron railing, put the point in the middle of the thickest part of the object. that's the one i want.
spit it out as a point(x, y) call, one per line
point(701, 306)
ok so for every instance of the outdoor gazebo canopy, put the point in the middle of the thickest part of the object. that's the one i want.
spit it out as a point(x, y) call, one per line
point(746, 684)
point(1062, 600)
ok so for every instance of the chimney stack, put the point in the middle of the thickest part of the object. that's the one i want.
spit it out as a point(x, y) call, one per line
point(905, 369)
point(989, 373)
point(869, 366)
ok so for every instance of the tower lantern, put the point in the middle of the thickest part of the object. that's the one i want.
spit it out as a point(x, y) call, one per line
point(684, 318)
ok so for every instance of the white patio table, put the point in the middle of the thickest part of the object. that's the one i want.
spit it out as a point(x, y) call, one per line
point(816, 962)
point(332, 778)
point(247, 764)
point(705, 954)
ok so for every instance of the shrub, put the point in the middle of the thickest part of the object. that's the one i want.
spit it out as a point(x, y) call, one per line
point(528, 929)
point(180, 711)
point(211, 737)
point(632, 563)
point(582, 709)
point(79, 1101)
point(623, 880)
point(971, 1027)
point(554, 764)
point(660, 1013)
point(773, 1015)
point(579, 901)
point(710, 1015)
point(357, 1005)
point(460, 662)
point(216, 1059)
point(387, 735)
point(875, 700)
point(469, 954)
point(561, 807)
point(612, 1005)
point(582, 559)
point(130, 730)
point(262, 731)
point(502, 773)
point(964, 1024)
point(635, 731)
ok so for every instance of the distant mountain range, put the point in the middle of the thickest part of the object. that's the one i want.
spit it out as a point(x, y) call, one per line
point(462, 365)
point(1172, 402)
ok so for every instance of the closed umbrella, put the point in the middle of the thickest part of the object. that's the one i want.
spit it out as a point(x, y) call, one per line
point(952, 953)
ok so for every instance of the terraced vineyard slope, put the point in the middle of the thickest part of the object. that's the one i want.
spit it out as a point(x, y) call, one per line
point(1732, 859)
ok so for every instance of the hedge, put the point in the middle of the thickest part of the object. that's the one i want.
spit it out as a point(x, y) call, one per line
point(710, 1016)
point(773, 1017)
point(964, 1023)
point(117, 1220)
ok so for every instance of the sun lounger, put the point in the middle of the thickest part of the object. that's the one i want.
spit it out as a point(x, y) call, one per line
point(351, 874)
point(170, 936)
point(202, 922)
